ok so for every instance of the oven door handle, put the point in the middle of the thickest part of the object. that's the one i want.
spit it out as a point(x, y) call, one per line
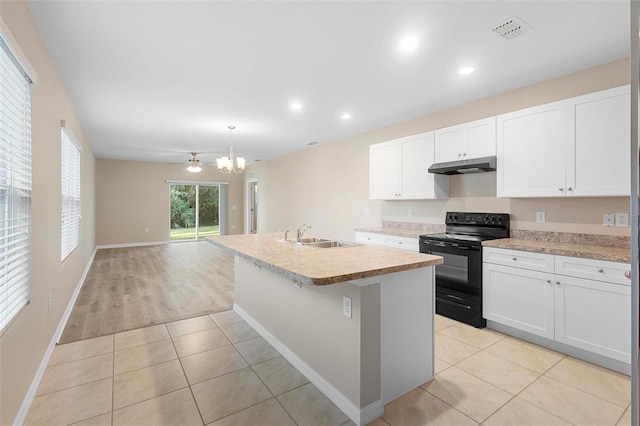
point(468, 248)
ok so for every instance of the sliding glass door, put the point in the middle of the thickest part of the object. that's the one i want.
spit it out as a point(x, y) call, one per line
point(195, 211)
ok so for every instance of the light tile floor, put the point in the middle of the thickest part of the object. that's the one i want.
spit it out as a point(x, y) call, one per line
point(215, 369)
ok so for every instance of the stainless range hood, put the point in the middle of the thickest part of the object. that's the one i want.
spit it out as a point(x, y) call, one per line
point(472, 165)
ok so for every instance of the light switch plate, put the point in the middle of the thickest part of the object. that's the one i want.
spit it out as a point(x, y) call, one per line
point(622, 219)
point(541, 217)
point(608, 219)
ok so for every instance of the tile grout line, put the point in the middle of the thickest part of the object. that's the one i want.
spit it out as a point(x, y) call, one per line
point(195, 401)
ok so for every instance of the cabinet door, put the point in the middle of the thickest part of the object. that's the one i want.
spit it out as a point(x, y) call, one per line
point(519, 298)
point(531, 152)
point(417, 182)
point(384, 171)
point(481, 138)
point(594, 315)
point(599, 143)
point(448, 144)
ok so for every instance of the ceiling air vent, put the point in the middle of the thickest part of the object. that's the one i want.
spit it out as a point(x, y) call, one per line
point(511, 28)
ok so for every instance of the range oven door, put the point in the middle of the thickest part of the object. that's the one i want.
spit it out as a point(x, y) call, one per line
point(458, 280)
point(462, 267)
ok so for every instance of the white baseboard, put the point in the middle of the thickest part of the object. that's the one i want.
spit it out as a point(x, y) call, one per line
point(33, 388)
point(151, 243)
point(357, 415)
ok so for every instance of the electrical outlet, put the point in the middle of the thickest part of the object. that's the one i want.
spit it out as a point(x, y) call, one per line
point(146, 230)
point(366, 211)
point(608, 219)
point(541, 217)
point(622, 219)
point(346, 306)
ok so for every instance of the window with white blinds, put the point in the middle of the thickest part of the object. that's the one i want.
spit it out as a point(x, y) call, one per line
point(15, 185)
point(70, 184)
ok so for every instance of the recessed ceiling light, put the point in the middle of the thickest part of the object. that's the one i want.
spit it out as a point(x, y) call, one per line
point(345, 116)
point(408, 43)
point(296, 106)
point(466, 70)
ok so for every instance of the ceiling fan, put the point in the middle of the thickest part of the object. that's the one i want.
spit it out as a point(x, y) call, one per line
point(194, 164)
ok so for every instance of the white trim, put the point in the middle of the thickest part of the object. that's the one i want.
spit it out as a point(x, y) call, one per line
point(151, 243)
point(70, 134)
point(357, 415)
point(17, 52)
point(195, 182)
point(31, 392)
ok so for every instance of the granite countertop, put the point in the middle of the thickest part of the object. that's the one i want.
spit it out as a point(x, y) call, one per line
point(321, 266)
point(611, 254)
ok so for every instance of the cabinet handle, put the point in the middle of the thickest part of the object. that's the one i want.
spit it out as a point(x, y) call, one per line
point(600, 270)
point(569, 189)
point(560, 189)
point(557, 282)
point(627, 274)
point(464, 154)
point(515, 259)
point(459, 155)
point(549, 281)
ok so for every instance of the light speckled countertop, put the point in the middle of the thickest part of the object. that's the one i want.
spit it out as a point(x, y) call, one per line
point(611, 254)
point(322, 266)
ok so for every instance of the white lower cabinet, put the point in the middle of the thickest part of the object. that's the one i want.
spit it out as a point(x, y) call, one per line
point(594, 315)
point(562, 305)
point(392, 241)
point(519, 298)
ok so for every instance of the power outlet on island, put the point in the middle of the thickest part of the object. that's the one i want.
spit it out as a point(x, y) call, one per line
point(541, 217)
point(346, 306)
point(608, 219)
point(622, 219)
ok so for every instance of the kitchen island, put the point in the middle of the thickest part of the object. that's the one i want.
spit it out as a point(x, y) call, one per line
point(357, 321)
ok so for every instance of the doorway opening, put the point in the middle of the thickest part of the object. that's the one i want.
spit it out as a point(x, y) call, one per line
point(195, 212)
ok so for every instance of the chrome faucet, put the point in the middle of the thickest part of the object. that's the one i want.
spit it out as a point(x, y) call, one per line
point(301, 231)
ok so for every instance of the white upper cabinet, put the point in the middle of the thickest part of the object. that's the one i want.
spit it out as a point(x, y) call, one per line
point(530, 152)
point(598, 133)
point(575, 147)
point(469, 140)
point(398, 170)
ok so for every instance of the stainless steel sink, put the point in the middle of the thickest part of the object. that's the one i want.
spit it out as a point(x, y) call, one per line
point(318, 242)
point(331, 244)
point(311, 240)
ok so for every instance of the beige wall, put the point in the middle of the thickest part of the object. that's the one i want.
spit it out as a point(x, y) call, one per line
point(23, 344)
point(133, 195)
point(327, 186)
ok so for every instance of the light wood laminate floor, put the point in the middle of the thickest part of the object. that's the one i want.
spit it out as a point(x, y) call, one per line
point(134, 287)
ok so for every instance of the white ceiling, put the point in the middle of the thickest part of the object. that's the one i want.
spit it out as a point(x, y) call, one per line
point(155, 80)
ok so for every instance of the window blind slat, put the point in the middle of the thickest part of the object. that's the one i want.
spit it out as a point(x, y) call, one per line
point(15, 188)
point(70, 185)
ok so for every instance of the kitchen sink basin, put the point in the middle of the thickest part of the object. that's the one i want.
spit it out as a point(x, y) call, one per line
point(331, 244)
point(311, 240)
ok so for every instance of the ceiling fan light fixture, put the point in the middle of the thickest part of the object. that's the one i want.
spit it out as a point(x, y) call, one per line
point(227, 164)
point(194, 164)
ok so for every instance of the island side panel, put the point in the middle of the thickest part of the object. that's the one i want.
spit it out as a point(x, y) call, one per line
point(308, 320)
point(407, 309)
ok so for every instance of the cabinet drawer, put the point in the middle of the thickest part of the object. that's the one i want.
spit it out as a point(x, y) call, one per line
point(403, 243)
point(519, 259)
point(370, 238)
point(600, 270)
